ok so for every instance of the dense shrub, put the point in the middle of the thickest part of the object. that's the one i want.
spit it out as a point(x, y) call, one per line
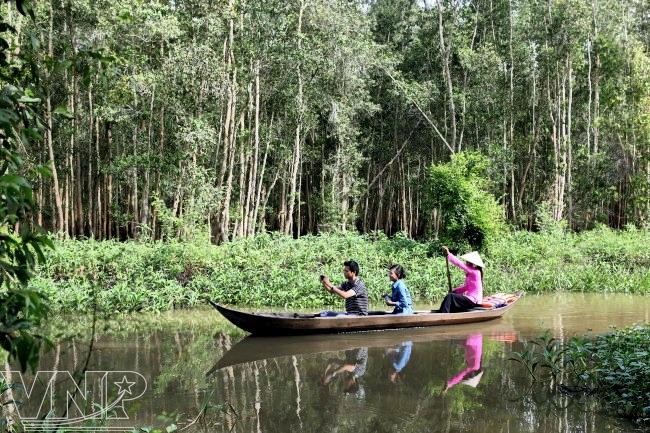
point(471, 217)
point(601, 260)
point(275, 270)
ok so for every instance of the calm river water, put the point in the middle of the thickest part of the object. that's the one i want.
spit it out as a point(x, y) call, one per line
point(193, 370)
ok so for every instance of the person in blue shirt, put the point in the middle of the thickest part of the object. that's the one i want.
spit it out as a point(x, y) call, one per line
point(400, 297)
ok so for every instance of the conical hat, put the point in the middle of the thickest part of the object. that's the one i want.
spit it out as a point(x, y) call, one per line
point(473, 258)
point(473, 382)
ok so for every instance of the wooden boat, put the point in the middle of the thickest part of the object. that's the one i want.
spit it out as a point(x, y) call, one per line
point(254, 348)
point(274, 324)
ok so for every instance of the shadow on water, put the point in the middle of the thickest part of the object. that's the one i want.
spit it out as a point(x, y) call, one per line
point(443, 379)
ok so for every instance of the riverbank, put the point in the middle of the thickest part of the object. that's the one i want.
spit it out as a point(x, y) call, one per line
point(275, 270)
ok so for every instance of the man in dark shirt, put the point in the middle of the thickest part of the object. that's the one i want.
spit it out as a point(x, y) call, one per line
point(352, 290)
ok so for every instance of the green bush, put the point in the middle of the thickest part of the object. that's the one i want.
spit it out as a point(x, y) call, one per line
point(269, 270)
point(600, 260)
point(278, 271)
point(471, 217)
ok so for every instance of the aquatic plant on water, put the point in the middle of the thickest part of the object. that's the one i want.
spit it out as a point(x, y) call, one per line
point(615, 368)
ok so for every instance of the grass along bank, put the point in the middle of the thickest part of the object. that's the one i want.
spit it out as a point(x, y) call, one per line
point(275, 270)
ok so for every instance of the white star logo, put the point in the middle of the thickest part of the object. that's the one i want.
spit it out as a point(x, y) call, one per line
point(124, 385)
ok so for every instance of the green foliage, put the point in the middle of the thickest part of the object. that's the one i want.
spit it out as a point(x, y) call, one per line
point(614, 367)
point(471, 217)
point(601, 260)
point(20, 311)
point(278, 271)
point(268, 270)
point(21, 245)
point(546, 223)
point(358, 94)
point(542, 357)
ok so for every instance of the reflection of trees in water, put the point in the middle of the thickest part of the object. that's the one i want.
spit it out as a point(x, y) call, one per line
point(414, 403)
point(286, 394)
point(175, 374)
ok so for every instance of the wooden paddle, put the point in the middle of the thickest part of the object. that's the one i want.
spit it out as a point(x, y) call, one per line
point(448, 274)
point(446, 250)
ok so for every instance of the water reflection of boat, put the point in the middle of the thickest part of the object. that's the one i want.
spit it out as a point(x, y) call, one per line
point(273, 324)
point(255, 348)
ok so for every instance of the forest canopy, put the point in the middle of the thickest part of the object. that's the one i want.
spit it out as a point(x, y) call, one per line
point(222, 119)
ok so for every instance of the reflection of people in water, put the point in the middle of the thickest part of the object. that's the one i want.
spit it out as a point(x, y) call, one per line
point(351, 370)
point(473, 372)
point(399, 357)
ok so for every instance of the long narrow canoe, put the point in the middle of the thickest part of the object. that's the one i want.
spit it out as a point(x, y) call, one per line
point(254, 348)
point(274, 324)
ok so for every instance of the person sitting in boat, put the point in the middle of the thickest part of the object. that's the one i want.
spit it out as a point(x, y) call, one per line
point(353, 290)
point(470, 294)
point(400, 297)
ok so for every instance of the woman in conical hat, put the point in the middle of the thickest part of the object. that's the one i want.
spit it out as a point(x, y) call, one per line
point(470, 294)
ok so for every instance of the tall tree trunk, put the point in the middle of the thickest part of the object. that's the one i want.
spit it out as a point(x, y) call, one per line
point(260, 182)
point(250, 190)
point(225, 216)
point(511, 129)
point(238, 232)
point(99, 180)
point(367, 204)
point(293, 194)
point(402, 186)
point(299, 221)
point(50, 145)
point(596, 72)
point(75, 205)
point(590, 98)
point(146, 191)
point(135, 187)
point(90, 187)
point(77, 156)
point(230, 133)
point(569, 150)
point(445, 53)
point(554, 140)
point(161, 147)
point(380, 188)
point(109, 187)
point(466, 82)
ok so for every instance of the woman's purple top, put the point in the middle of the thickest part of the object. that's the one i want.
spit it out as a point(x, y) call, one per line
point(473, 286)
